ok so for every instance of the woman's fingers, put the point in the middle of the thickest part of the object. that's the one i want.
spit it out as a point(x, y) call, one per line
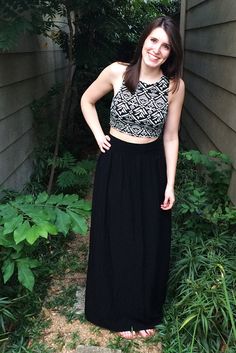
point(168, 201)
point(104, 144)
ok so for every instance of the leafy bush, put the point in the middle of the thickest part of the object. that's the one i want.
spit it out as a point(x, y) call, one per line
point(73, 175)
point(26, 219)
point(201, 302)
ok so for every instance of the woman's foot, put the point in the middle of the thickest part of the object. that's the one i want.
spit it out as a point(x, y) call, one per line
point(146, 333)
point(128, 335)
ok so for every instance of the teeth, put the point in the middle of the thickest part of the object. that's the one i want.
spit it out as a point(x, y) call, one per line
point(153, 56)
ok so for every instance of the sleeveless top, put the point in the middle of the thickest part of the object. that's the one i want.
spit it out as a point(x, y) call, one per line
point(143, 113)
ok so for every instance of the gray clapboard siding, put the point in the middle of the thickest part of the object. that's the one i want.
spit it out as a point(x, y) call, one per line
point(26, 73)
point(219, 70)
point(8, 133)
point(31, 43)
point(185, 136)
point(197, 135)
point(232, 187)
point(209, 114)
point(21, 94)
point(214, 128)
point(217, 39)
point(28, 65)
point(192, 3)
point(222, 103)
point(201, 16)
point(15, 154)
point(20, 175)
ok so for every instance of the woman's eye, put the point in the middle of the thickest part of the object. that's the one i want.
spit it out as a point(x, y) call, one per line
point(166, 46)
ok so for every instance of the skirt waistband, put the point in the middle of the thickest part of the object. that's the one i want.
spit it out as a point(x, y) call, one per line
point(120, 145)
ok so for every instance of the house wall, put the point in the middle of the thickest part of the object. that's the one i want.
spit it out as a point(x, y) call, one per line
point(209, 115)
point(26, 73)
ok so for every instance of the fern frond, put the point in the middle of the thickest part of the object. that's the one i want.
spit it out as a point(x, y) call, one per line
point(87, 164)
point(66, 161)
point(78, 170)
point(67, 179)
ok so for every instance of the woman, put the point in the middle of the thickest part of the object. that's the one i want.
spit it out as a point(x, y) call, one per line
point(134, 184)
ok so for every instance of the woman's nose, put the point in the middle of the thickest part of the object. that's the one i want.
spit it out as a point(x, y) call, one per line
point(157, 47)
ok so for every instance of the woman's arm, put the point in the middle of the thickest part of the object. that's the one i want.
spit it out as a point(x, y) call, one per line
point(171, 143)
point(99, 88)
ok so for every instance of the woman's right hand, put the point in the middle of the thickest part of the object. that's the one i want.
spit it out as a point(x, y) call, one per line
point(103, 143)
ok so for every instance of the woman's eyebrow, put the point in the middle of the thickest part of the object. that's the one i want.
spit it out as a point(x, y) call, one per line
point(153, 37)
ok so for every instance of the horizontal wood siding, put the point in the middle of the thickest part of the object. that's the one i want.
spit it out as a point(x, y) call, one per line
point(209, 120)
point(26, 73)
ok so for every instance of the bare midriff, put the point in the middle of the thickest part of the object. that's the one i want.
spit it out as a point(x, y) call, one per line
point(131, 139)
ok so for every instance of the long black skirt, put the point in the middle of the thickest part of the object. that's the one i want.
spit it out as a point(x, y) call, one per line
point(129, 238)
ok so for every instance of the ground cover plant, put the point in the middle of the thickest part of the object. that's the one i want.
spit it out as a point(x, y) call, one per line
point(28, 225)
point(201, 306)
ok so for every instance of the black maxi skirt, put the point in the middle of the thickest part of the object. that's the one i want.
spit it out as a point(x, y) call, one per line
point(129, 238)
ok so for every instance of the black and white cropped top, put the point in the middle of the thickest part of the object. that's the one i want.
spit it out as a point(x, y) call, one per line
point(143, 113)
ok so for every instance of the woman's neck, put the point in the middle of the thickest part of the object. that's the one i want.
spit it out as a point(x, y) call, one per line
point(150, 75)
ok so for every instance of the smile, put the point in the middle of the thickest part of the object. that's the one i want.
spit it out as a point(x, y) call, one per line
point(153, 57)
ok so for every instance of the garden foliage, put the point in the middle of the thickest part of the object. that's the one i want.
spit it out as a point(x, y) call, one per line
point(26, 219)
point(201, 306)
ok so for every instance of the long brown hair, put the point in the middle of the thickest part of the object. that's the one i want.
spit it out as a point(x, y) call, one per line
point(171, 67)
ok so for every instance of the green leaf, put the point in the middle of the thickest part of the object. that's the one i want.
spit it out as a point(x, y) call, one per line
point(67, 179)
point(84, 205)
point(20, 232)
point(7, 212)
point(55, 199)
point(8, 269)
point(42, 198)
point(48, 227)
point(6, 240)
point(71, 199)
point(187, 320)
point(25, 275)
point(51, 213)
point(63, 221)
point(32, 235)
point(12, 224)
point(79, 223)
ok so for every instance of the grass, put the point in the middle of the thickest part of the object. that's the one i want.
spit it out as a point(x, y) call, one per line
point(125, 346)
point(64, 301)
point(74, 340)
point(73, 263)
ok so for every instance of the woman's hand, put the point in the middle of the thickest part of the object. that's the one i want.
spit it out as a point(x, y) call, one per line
point(169, 198)
point(103, 143)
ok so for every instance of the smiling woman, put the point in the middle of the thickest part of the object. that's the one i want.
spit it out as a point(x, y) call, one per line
point(156, 48)
point(134, 184)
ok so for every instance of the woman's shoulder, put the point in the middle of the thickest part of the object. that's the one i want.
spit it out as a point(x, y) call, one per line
point(114, 73)
point(178, 86)
point(117, 69)
point(176, 90)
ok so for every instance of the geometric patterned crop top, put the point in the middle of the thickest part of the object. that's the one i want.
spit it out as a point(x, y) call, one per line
point(143, 113)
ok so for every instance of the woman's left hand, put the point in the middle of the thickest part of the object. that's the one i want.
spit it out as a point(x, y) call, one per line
point(169, 198)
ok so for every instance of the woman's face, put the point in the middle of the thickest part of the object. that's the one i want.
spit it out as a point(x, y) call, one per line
point(156, 48)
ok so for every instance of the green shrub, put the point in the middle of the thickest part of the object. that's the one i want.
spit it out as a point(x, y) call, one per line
point(201, 302)
point(74, 176)
point(26, 219)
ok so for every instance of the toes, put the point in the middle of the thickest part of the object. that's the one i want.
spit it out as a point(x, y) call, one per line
point(143, 333)
point(146, 333)
point(129, 335)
